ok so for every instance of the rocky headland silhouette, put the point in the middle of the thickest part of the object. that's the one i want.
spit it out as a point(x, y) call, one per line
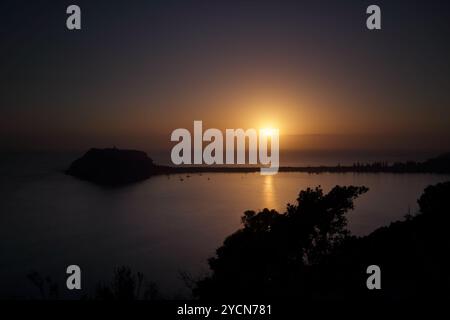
point(113, 166)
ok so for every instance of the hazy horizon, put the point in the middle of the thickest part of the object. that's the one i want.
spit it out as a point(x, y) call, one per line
point(311, 69)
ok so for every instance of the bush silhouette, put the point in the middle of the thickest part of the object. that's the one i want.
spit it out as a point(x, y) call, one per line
point(307, 252)
point(127, 286)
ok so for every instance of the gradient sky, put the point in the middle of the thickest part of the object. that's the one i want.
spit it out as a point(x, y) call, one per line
point(139, 69)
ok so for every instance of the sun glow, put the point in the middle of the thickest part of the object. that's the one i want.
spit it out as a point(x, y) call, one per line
point(268, 132)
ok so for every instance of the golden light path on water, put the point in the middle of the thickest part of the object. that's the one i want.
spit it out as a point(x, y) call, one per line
point(269, 192)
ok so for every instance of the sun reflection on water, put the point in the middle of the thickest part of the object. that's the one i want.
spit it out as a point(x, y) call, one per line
point(269, 192)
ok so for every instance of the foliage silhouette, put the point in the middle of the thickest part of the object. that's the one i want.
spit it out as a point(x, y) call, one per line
point(48, 289)
point(273, 255)
point(127, 286)
point(307, 252)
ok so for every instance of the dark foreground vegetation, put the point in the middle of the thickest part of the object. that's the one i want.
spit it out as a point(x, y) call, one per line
point(125, 285)
point(115, 167)
point(307, 252)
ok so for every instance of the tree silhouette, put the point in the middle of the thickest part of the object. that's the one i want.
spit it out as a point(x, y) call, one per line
point(273, 254)
point(307, 252)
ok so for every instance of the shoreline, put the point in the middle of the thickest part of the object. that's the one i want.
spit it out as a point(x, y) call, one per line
point(308, 169)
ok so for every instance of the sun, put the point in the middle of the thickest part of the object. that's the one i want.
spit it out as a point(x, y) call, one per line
point(268, 132)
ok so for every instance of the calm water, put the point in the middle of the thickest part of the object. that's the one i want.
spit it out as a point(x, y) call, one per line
point(161, 226)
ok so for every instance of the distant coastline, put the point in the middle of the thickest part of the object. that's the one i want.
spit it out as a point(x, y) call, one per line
point(117, 167)
point(440, 165)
